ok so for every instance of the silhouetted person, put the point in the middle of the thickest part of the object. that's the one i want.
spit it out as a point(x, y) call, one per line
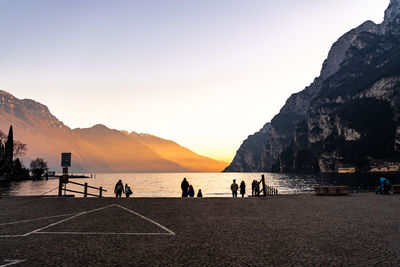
point(191, 191)
point(184, 187)
point(128, 190)
point(199, 194)
point(242, 188)
point(119, 189)
point(257, 189)
point(387, 186)
point(253, 187)
point(234, 188)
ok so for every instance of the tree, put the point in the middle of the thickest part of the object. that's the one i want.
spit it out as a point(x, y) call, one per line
point(19, 149)
point(2, 153)
point(9, 147)
point(3, 137)
point(38, 167)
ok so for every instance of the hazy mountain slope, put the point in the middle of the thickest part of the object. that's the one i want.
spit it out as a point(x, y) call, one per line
point(44, 134)
point(170, 150)
point(96, 149)
point(123, 153)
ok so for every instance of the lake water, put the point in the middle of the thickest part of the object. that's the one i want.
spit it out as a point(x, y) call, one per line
point(211, 184)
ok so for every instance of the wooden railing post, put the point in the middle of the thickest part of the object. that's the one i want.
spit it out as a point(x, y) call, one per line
point(60, 187)
point(101, 191)
point(263, 184)
point(85, 192)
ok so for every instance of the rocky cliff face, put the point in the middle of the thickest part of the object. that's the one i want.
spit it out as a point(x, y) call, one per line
point(361, 68)
point(252, 154)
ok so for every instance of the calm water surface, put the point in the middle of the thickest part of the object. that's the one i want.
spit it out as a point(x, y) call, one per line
point(211, 184)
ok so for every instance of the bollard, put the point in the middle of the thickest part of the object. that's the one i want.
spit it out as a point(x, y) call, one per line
point(60, 187)
point(101, 191)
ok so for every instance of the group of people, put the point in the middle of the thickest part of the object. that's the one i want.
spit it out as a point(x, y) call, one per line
point(385, 186)
point(255, 188)
point(235, 188)
point(188, 190)
point(119, 189)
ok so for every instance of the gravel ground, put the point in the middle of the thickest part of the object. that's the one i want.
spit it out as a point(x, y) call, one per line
point(359, 230)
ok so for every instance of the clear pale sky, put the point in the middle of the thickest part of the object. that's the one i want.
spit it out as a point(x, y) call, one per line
point(204, 73)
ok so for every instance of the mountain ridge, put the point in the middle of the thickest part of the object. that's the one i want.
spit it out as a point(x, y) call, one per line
point(97, 148)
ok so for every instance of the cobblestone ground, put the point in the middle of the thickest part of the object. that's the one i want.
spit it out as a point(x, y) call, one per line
point(359, 230)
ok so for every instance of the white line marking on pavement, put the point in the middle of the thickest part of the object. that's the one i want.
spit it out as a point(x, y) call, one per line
point(94, 233)
point(11, 262)
point(38, 219)
point(150, 220)
point(79, 214)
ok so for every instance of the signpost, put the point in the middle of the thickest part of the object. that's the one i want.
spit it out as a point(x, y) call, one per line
point(65, 163)
point(66, 160)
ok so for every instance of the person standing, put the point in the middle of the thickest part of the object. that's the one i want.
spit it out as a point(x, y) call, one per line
point(119, 189)
point(253, 187)
point(184, 187)
point(234, 188)
point(191, 191)
point(242, 188)
point(257, 189)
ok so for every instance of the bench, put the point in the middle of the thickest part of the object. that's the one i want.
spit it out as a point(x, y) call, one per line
point(396, 188)
point(332, 190)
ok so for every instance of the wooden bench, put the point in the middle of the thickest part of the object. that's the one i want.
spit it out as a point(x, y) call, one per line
point(332, 190)
point(396, 188)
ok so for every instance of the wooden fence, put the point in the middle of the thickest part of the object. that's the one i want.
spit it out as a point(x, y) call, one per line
point(63, 187)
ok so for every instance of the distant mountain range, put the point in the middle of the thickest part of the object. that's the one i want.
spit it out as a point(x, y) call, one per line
point(95, 149)
point(349, 115)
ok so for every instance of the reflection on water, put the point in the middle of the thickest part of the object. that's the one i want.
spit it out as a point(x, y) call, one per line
point(211, 184)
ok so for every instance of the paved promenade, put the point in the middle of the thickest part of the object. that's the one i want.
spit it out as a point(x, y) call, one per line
point(359, 230)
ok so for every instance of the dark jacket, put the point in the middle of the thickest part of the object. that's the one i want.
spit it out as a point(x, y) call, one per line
point(242, 188)
point(191, 191)
point(119, 187)
point(185, 186)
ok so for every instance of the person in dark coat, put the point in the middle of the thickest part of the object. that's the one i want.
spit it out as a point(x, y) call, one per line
point(119, 189)
point(234, 188)
point(253, 187)
point(257, 189)
point(199, 194)
point(184, 187)
point(387, 186)
point(191, 191)
point(242, 188)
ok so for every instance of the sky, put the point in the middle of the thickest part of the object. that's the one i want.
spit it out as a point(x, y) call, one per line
point(203, 73)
